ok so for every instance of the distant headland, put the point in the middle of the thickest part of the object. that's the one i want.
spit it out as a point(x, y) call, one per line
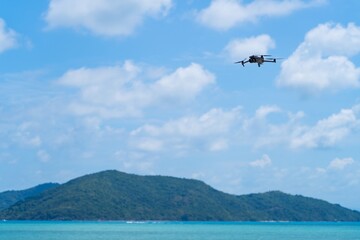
point(113, 195)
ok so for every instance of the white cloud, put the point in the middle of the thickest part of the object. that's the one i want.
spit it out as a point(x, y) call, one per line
point(263, 111)
point(322, 61)
point(26, 134)
point(262, 162)
point(225, 14)
point(261, 131)
point(218, 145)
point(122, 91)
point(184, 83)
point(43, 156)
point(331, 39)
point(217, 130)
point(7, 37)
point(210, 130)
point(104, 17)
point(216, 121)
point(287, 129)
point(240, 48)
point(326, 132)
point(149, 144)
point(340, 163)
point(34, 141)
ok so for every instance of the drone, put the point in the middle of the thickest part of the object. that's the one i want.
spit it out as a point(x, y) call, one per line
point(259, 59)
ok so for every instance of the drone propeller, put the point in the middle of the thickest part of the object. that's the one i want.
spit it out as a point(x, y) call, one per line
point(241, 61)
point(274, 58)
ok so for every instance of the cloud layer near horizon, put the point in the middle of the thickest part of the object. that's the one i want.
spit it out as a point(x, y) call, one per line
point(220, 129)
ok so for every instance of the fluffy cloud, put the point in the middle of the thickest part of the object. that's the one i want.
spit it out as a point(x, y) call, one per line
point(322, 61)
point(218, 130)
point(261, 131)
point(225, 14)
point(210, 131)
point(25, 135)
point(340, 163)
point(121, 91)
point(43, 156)
point(240, 48)
point(104, 17)
point(327, 132)
point(149, 144)
point(261, 163)
point(263, 111)
point(7, 37)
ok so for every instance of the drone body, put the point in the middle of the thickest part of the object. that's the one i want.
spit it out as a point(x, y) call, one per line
point(259, 59)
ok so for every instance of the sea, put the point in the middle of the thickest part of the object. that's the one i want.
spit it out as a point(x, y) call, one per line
point(153, 230)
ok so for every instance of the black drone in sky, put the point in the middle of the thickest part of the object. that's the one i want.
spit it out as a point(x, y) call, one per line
point(259, 59)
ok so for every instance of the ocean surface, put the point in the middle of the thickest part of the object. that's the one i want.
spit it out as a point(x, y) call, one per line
point(33, 230)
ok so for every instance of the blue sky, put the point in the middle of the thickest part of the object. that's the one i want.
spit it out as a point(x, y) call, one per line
point(149, 87)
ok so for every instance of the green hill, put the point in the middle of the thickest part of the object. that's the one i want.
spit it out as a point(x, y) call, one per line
point(112, 195)
point(8, 198)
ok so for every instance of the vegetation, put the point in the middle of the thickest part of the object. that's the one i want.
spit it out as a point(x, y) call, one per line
point(8, 198)
point(112, 195)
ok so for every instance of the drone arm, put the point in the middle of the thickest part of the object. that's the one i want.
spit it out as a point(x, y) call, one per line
point(243, 62)
point(270, 60)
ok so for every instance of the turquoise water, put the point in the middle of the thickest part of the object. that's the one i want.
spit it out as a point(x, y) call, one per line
point(30, 230)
